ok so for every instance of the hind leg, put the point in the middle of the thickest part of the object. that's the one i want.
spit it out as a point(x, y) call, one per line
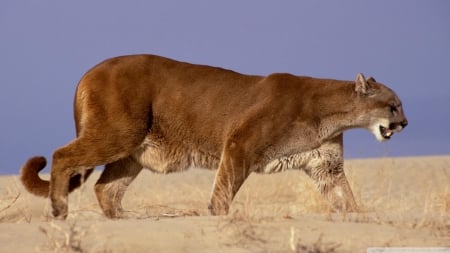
point(69, 161)
point(59, 188)
point(112, 184)
point(81, 155)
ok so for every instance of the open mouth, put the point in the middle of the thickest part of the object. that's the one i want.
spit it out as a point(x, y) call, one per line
point(386, 132)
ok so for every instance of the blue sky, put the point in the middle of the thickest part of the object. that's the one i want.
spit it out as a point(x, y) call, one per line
point(46, 46)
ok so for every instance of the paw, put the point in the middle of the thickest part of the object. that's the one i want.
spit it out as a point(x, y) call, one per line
point(114, 212)
point(217, 210)
point(59, 210)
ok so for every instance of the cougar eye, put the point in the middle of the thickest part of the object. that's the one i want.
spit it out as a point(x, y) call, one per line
point(393, 109)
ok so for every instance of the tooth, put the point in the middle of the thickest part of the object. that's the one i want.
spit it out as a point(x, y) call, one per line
point(389, 134)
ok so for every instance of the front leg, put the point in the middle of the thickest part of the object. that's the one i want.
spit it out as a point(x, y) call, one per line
point(232, 172)
point(326, 168)
point(342, 197)
point(333, 185)
point(330, 180)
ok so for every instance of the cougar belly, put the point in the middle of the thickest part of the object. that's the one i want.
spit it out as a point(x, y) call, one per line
point(159, 155)
point(329, 154)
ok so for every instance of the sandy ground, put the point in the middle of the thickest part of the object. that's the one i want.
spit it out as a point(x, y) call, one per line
point(405, 202)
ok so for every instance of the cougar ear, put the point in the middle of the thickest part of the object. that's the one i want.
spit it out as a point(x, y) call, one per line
point(362, 87)
point(371, 79)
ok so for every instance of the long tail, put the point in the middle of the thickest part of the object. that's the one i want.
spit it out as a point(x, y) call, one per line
point(29, 176)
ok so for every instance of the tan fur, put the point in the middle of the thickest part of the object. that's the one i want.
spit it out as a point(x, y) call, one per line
point(148, 111)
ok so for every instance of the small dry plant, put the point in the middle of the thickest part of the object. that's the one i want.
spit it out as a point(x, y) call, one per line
point(68, 236)
point(242, 228)
point(313, 201)
point(159, 211)
point(319, 246)
point(63, 237)
point(8, 202)
point(242, 225)
point(10, 208)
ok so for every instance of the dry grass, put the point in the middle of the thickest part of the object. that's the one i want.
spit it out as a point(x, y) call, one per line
point(9, 201)
point(266, 207)
point(68, 236)
point(9, 208)
point(396, 199)
point(242, 230)
point(319, 246)
point(71, 237)
point(423, 203)
point(241, 225)
point(63, 237)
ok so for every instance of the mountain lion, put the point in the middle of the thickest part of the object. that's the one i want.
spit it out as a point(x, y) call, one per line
point(148, 111)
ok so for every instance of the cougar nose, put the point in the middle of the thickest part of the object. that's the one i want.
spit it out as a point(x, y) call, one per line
point(404, 123)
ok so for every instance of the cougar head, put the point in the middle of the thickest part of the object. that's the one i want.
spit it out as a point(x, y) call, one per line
point(382, 111)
